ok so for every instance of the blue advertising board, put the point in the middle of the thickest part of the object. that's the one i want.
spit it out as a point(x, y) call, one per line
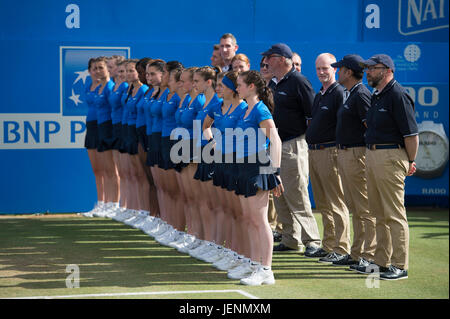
point(46, 46)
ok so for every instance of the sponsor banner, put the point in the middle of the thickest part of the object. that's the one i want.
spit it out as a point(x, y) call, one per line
point(41, 131)
point(405, 20)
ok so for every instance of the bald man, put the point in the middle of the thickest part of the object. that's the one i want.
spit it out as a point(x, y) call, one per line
point(323, 169)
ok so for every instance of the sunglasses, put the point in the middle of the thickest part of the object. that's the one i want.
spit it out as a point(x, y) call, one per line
point(264, 65)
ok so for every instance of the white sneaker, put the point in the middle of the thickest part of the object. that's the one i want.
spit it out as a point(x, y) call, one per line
point(117, 212)
point(243, 270)
point(106, 210)
point(114, 211)
point(197, 242)
point(214, 255)
point(205, 247)
point(259, 277)
point(184, 240)
point(138, 221)
point(126, 214)
point(225, 258)
point(163, 229)
point(151, 225)
point(134, 215)
point(159, 228)
point(149, 220)
point(101, 208)
point(92, 211)
point(171, 238)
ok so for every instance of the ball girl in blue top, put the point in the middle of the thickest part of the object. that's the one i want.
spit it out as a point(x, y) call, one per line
point(108, 167)
point(190, 104)
point(257, 178)
point(204, 81)
point(233, 228)
point(91, 138)
point(115, 100)
point(136, 178)
point(120, 88)
point(173, 201)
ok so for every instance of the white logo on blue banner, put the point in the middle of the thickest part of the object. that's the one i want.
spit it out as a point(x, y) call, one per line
point(418, 16)
point(66, 128)
point(75, 75)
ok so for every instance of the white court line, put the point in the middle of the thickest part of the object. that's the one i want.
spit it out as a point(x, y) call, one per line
point(246, 294)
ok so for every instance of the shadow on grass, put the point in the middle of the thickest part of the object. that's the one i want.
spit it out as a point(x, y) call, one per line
point(34, 254)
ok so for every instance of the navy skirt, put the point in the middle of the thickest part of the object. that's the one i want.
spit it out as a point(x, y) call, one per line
point(132, 140)
point(91, 138)
point(185, 152)
point(230, 174)
point(253, 176)
point(105, 136)
point(117, 136)
point(142, 137)
point(123, 139)
point(154, 155)
point(205, 171)
point(166, 146)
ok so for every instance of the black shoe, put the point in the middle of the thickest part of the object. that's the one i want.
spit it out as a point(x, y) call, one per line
point(371, 267)
point(282, 247)
point(362, 262)
point(394, 273)
point(313, 252)
point(347, 260)
point(276, 236)
point(330, 258)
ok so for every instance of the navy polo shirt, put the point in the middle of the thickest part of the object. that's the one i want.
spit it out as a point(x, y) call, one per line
point(293, 97)
point(391, 116)
point(351, 116)
point(322, 128)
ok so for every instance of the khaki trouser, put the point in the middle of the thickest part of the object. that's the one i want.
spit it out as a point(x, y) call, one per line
point(293, 206)
point(329, 198)
point(352, 169)
point(275, 225)
point(386, 173)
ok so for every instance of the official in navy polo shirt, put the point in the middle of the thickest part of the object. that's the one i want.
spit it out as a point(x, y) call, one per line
point(325, 180)
point(350, 129)
point(392, 143)
point(293, 97)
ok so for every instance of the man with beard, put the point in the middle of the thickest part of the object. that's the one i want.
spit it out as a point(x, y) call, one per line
point(392, 142)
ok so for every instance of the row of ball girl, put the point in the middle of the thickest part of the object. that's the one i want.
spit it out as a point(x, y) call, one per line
point(168, 154)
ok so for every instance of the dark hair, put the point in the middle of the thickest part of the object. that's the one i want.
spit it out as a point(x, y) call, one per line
point(264, 93)
point(177, 73)
point(158, 64)
point(358, 75)
point(173, 65)
point(91, 62)
point(233, 76)
point(216, 47)
point(143, 62)
point(208, 73)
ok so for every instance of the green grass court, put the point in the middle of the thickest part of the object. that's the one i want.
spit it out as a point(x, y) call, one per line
point(117, 261)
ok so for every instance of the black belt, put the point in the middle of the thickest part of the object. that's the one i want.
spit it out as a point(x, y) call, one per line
point(321, 146)
point(383, 146)
point(345, 146)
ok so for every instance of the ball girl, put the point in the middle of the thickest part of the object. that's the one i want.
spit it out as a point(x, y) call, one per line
point(258, 174)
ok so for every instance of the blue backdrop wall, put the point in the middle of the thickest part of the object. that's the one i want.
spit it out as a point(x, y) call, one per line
point(45, 46)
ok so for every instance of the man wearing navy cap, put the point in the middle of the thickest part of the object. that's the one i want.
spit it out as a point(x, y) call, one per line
point(392, 142)
point(350, 129)
point(293, 96)
point(325, 179)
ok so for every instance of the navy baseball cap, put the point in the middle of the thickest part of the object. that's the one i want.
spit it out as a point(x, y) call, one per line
point(351, 61)
point(280, 49)
point(381, 58)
